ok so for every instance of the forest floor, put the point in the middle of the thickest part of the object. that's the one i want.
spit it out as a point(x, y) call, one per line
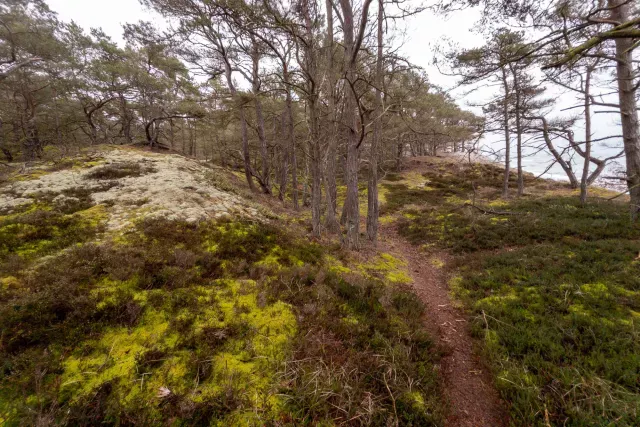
point(124, 298)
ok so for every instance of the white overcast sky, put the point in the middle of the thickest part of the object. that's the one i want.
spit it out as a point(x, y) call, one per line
point(423, 33)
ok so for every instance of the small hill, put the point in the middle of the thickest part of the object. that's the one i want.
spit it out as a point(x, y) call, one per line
point(130, 184)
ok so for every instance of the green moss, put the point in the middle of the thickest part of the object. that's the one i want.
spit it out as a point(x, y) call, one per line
point(250, 357)
point(388, 268)
point(40, 230)
point(335, 266)
point(29, 176)
point(87, 164)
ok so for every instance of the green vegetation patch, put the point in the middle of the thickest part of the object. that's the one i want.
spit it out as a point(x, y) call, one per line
point(554, 292)
point(560, 323)
point(119, 170)
point(41, 229)
point(225, 323)
point(463, 228)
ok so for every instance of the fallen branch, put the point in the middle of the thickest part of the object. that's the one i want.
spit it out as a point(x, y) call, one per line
point(489, 211)
point(623, 193)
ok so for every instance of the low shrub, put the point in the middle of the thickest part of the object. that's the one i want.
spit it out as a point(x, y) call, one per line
point(225, 322)
point(119, 170)
point(553, 287)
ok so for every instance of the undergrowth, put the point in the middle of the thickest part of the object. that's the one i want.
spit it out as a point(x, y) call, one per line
point(119, 170)
point(553, 288)
point(42, 228)
point(220, 323)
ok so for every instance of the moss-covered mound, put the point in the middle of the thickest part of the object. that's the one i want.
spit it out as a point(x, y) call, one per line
point(553, 286)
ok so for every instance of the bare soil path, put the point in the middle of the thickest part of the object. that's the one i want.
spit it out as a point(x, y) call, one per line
point(468, 386)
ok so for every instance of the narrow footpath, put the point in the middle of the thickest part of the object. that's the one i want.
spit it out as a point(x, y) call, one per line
point(468, 385)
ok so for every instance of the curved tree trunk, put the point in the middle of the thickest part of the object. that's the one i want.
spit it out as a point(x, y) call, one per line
point(556, 155)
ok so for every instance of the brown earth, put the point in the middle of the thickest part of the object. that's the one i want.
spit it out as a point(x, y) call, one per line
point(467, 383)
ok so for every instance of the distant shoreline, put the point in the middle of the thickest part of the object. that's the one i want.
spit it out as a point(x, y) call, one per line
point(475, 157)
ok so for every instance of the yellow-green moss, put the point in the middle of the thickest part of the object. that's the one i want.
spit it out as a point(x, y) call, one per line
point(29, 176)
point(389, 268)
point(334, 265)
point(250, 360)
point(39, 229)
point(87, 164)
point(94, 216)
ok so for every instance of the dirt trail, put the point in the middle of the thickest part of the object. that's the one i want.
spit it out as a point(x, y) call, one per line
point(467, 383)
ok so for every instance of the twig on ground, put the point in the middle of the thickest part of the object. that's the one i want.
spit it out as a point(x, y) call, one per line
point(393, 399)
point(489, 211)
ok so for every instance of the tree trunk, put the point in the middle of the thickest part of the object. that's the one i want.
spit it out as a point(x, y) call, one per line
point(563, 163)
point(193, 151)
point(373, 211)
point(149, 134)
point(126, 120)
point(255, 57)
point(331, 220)
point(5, 150)
point(221, 151)
point(352, 208)
point(15, 129)
point(172, 133)
point(584, 182)
point(285, 153)
point(518, 111)
point(399, 152)
point(33, 147)
point(292, 142)
point(243, 126)
point(93, 131)
point(314, 142)
point(352, 204)
point(57, 117)
point(507, 136)
point(628, 108)
point(183, 137)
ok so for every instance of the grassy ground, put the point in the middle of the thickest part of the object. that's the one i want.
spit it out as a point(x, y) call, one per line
point(553, 287)
point(217, 323)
